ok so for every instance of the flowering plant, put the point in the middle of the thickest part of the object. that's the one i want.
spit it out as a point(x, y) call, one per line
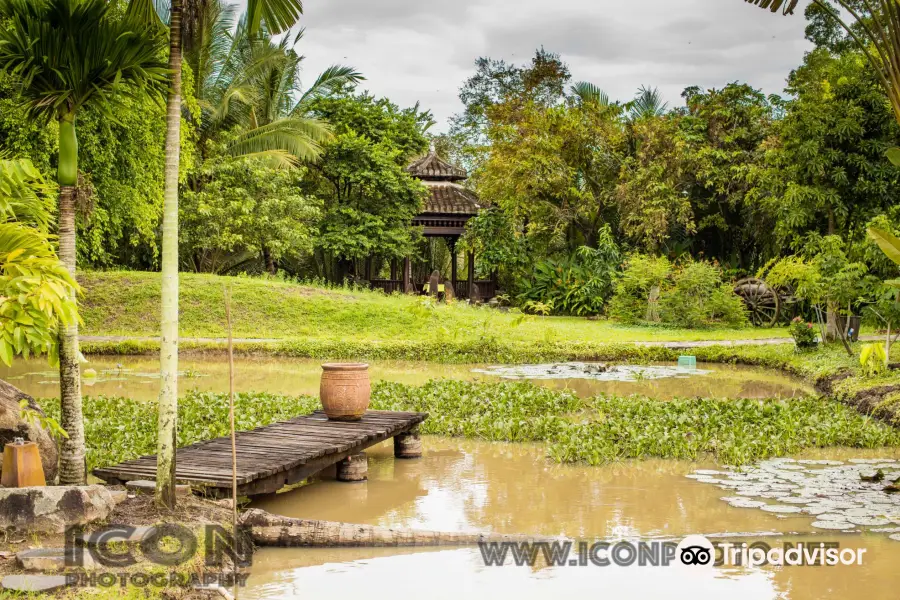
point(804, 333)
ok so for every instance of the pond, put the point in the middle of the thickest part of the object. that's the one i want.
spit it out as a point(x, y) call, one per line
point(462, 485)
point(138, 377)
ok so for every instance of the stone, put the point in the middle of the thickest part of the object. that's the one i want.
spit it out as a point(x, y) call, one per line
point(53, 559)
point(144, 486)
point(12, 426)
point(53, 509)
point(110, 535)
point(34, 583)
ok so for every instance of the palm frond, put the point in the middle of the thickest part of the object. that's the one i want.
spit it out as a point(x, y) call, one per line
point(648, 103)
point(113, 57)
point(276, 15)
point(298, 137)
point(588, 92)
point(330, 80)
point(773, 5)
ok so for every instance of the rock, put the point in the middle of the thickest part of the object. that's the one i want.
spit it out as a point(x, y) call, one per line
point(116, 535)
point(53, 559)
point(143, 486)
point(12, 426)
point(53, 509)
point(34, 583)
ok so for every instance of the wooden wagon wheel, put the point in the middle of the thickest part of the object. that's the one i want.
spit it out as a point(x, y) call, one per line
point(763, 302)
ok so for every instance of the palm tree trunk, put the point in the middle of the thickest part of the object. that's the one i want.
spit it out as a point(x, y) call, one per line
point(72, 467)
point(168, 389)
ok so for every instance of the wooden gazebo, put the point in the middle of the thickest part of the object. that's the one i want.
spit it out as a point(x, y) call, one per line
point(448, 208)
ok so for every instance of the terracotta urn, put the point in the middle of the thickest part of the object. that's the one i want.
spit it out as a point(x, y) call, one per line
point(345, 390)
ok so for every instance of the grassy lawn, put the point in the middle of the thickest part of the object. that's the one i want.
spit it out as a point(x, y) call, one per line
point(127, 304)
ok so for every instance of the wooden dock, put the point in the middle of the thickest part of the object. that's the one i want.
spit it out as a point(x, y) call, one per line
point(273, 456)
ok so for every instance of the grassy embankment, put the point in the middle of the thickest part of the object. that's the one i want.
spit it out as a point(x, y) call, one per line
point(319, 323)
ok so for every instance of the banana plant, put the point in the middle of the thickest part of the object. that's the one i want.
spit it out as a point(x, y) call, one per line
point(890, 245)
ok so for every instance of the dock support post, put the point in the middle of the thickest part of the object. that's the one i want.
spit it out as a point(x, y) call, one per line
point(353, 468)
point(408, 445)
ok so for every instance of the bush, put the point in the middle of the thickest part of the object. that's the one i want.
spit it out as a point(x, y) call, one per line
point(692, 296)
point(804, 333)
point(699, 298)
point(578, 285)
point(630, 302)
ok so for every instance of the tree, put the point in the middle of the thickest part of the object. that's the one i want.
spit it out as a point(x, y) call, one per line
point(247, 210)
point(278, 16)
point(368, 197)
point(825, 170)
point(874, 30)
point(68, 54)
point(726, 131)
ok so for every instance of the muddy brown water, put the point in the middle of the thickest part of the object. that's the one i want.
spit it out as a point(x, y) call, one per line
point(462, 485)
point(138, 377)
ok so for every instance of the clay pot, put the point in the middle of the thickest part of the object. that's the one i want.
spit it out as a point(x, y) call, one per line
point(345, 391)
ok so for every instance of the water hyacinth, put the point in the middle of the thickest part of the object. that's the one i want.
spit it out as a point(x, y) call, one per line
point(595, 430)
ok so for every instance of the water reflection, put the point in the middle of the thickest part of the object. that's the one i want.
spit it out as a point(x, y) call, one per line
point(137, 377)
point(468, 485)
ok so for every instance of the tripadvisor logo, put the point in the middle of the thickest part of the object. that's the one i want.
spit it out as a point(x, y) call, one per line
point(696, 551)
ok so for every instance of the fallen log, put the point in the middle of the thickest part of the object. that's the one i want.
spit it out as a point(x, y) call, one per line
point(284, 532)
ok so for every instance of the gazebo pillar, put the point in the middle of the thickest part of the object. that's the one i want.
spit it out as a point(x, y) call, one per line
point(407, 285)
point(451, 243)
point(472, 295)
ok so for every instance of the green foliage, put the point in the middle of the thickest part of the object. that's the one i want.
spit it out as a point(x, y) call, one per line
point(34, 284)
point(594, 430)
point(873, 360)
point(369, 199)
point(827, 172)
point(803, 333)
point(691, 295)
point(631, 302)
point(605, 429)
point(247, 209)
point(115, 57)
point(38, 419)
point(699, 298)
point(578, 285)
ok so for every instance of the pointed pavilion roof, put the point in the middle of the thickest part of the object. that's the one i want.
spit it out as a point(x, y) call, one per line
point(432, 167)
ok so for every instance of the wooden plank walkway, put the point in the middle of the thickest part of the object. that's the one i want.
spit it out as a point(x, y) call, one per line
point(273, 456)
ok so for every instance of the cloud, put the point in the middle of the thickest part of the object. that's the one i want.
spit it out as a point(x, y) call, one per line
point(423, 50)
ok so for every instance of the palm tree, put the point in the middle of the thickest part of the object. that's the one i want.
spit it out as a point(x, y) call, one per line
point(68, 54)
point(876, 32)
point(278, 16)
point(256, 95)
point(647, 103)
point(587, 92)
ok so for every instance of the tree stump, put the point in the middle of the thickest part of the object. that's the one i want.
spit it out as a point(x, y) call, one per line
point(353, 468)
point(408, 445)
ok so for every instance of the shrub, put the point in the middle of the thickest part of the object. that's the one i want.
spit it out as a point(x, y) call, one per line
point(699, 298)
point(630, 302)
point(578, 285)
point(693, 296)
point(804, 333)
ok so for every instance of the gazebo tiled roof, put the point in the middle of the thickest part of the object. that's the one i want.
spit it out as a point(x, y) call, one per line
point(432, 167)
point(449, 198)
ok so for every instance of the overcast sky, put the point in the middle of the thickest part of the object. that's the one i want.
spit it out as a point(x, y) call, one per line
point(422, 50)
